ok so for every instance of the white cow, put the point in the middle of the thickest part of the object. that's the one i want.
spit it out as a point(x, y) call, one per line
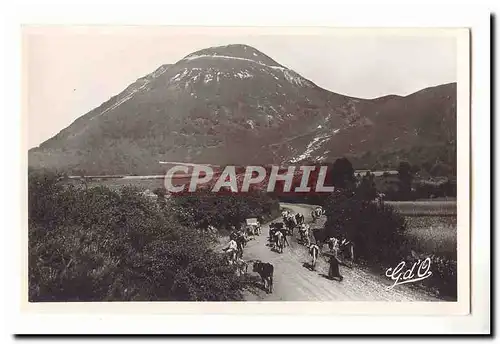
point(340, 247)
point(314, 252)
point(316, 213)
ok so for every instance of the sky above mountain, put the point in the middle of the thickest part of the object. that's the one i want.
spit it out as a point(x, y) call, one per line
point(71, 71)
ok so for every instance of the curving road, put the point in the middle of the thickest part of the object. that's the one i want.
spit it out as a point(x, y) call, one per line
point(294, 282)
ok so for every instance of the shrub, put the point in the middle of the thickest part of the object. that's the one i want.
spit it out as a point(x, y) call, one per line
point(377, 231)
point(443, 280)
point(380, 238)
point(101, 245)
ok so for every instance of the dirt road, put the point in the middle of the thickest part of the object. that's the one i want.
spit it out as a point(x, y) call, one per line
point(295, 282)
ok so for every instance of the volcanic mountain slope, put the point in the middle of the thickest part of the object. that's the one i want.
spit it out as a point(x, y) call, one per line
point(235, 105)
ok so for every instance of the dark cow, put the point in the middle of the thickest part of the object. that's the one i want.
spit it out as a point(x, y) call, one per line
point(273, 228)
point(299, 218)
point(276, 227)
point(291, 222)
point(266, 271)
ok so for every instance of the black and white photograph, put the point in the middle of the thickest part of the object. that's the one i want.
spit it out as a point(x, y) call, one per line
point(229, 165)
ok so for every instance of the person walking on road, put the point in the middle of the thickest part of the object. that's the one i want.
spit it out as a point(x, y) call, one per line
point(334, 269)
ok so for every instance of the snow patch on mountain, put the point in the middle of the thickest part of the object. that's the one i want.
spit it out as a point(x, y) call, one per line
point(288, 74)
point(178, 77)
point(208, 78)
point(244, 75)
point(314, 145)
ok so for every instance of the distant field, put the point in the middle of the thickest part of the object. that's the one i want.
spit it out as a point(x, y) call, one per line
point(433, 235)
point(432, 225)
point(425, 208)
point(117, 183)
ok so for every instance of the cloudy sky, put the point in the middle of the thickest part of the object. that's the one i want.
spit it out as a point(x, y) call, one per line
point(73, 70)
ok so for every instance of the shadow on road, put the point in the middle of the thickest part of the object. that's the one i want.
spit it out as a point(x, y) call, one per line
point(308, 266)
point(339, 279)
point(254, 284)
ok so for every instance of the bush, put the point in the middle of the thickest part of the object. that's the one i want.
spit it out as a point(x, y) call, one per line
point(377, 231)
point(379, 235)
point(443, 280)
point(102, 245)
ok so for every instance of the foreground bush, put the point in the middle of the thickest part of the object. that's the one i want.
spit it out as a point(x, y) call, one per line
point(443, 280)
point(101, 245)
point(381, 241)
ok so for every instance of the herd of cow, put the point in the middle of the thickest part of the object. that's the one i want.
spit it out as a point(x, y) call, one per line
point(278, 233)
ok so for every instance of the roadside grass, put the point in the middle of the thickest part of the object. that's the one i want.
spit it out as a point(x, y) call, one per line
point(433, 235)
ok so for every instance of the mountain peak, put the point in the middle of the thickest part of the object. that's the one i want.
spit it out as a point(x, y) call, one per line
point(233, 51)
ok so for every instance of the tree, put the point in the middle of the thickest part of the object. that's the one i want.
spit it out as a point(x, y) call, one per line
point(405, 178)
point(341, 174)
point(366, 190)
point(415, 169)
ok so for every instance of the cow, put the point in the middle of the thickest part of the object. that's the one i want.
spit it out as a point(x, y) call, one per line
point(280, 241)
point(231, 251)
point(314, 252)
point(290, 222)
point(286, 233)
point(299, 218)
point(285, 214)
point(266, 271)
point(253, 229)
point(304, 234)
point(317, 213)
point(273, 228)
point(258, 229)
point(342, 246)
point(241, 266)
point(346, 247)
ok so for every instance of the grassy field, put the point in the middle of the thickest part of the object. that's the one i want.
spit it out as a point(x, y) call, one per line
point(432, 225)
point(425, 208)
point(433, 235)
point(117, 183)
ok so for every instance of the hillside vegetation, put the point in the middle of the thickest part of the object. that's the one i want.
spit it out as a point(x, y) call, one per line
point(97, 244)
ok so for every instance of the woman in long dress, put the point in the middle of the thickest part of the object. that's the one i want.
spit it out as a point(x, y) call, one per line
point(334, 270)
